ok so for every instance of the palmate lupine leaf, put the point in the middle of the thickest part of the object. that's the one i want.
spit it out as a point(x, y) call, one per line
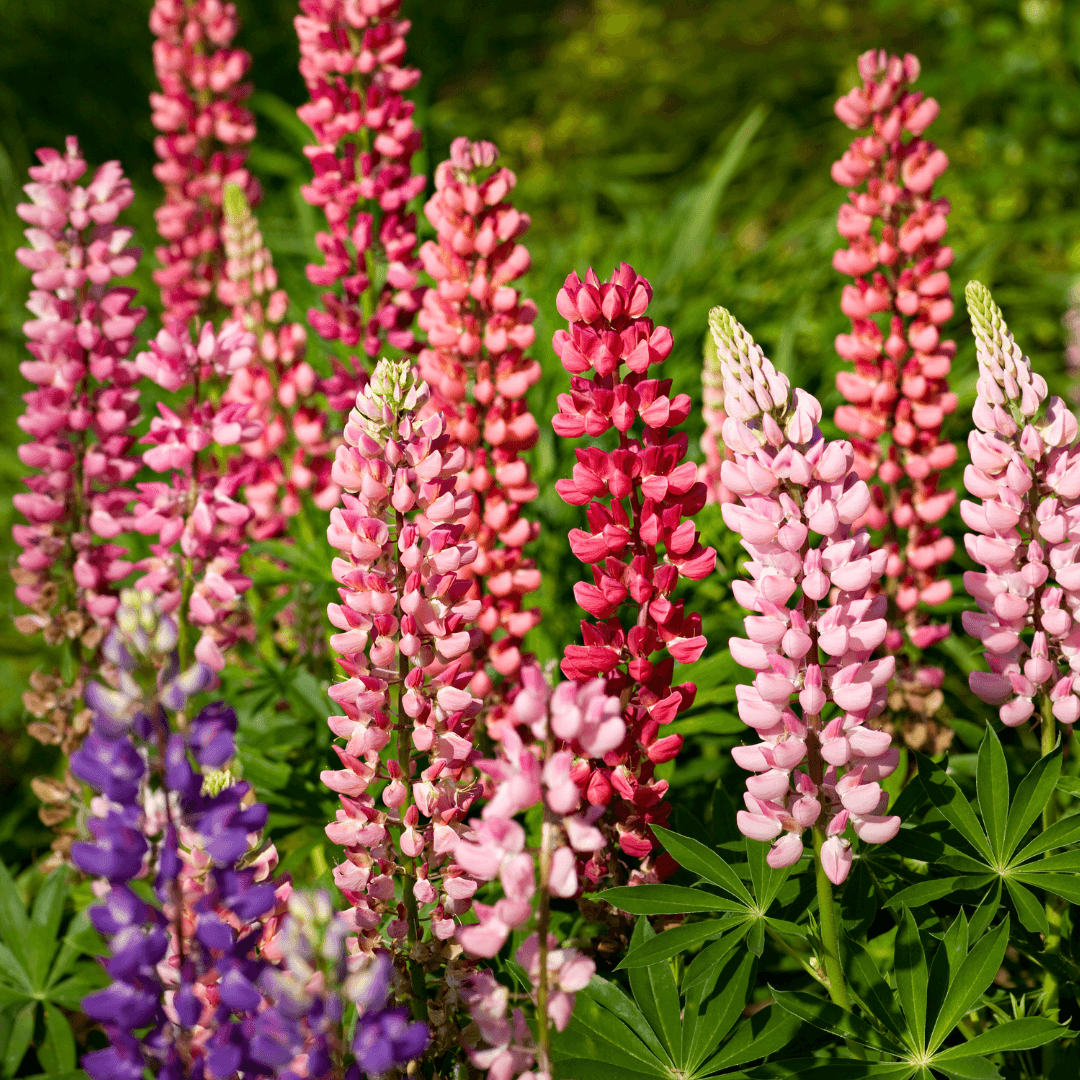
point(932, 998)
point(743, 910)
point(675, 1033)
point(41, 974)
point(981, 852)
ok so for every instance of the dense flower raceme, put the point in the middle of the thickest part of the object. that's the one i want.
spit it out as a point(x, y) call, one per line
point(523, 775)
point(810, 770)
point(350, 58)
point(194, 514)
point(292, 453)
point(217, 968)
point(478, 329)
point(205, 130)
point(639, 543)
point(898, 393)
point(404, 622)
point(1025, 472)
point(149, 791)
point(81, 415)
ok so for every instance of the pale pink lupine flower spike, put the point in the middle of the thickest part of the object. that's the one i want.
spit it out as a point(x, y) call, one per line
point(1025, 472)
point(797, 498)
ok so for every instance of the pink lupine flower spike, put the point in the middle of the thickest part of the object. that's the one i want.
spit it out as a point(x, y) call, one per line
point(1025, 472)
point(817, 766)
point(898, 393)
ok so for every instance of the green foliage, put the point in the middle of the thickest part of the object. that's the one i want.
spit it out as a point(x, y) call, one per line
point(988, 852)
point(43, 975)
point(746, 907)
point(678, 1032)
point(934, 998)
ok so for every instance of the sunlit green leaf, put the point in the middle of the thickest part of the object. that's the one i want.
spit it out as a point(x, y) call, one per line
point(656, 994)
point(1023, 1034)
point(975, 975)
point(665, 900)
point(1031, 796)
point(911, 975)
point(698, 859)
point(674, 941)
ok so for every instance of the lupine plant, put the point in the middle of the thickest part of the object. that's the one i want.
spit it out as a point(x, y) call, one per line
point(477, 850)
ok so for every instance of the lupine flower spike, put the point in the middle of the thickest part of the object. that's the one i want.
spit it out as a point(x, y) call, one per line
point(205, 131)
point(640, 541)
point(529, 772)
point(82, 413)
point(1025, 472)
point(404, 622)
point(898, 393)
point(81, 420)
point(195, 516)
point(350, 58)
point(818, 767)
point(478, 330)
point(293, 452)
point(212, 976)
point(150, 790)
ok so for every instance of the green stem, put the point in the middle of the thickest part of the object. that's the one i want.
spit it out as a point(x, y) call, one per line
point(1052, 945)
point(830, 942)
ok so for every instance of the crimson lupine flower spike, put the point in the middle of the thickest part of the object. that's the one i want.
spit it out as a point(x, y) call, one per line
point(790, 484)
point(293, 453)
point(350, 57)
point(526, 774)
point(199, 526)
point(478, 329)
point(81, 415)
point(404, 623)
point(205, 131)
point(1025, 470)
point(898, 393)
point(639, 544)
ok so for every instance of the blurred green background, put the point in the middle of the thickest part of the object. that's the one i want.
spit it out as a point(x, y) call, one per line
point(692, 139)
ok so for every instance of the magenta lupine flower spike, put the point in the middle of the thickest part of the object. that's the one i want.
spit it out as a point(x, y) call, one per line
point(404, 622)
point(82, 413)
point(478, 330)
point(1025, 470)
point(205, 131)
point(898, 394)
point(817, 767)
point(350, 58)
point(639, 543)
